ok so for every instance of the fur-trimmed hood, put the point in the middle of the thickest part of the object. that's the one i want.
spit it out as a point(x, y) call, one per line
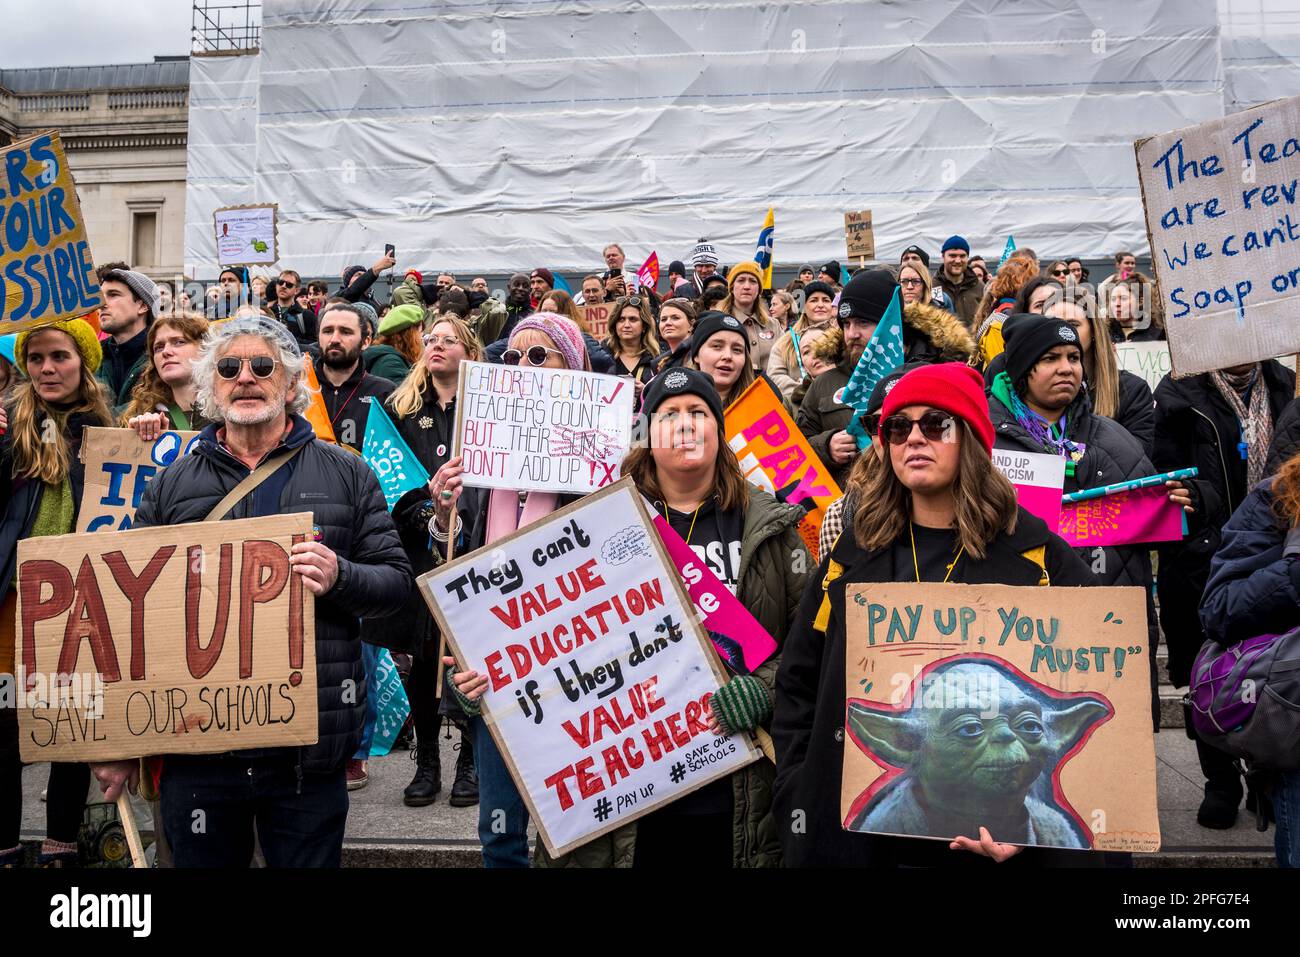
point(928, 333)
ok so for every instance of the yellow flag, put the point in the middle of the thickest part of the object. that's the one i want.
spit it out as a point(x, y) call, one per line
point(315, 413)
point(763, 254)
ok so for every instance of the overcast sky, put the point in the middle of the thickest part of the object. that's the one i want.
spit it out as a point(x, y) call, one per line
point(92, 32)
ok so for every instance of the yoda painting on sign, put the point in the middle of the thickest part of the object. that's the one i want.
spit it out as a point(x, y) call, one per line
point(974, 743)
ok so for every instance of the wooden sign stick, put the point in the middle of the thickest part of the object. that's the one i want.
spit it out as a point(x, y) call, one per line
point(127, 817)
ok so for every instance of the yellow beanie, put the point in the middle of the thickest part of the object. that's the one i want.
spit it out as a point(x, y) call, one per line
point(748, 266)
point(82, 333)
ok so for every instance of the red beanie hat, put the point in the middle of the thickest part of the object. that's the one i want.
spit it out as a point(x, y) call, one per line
point(419, 278)
point(954, 387)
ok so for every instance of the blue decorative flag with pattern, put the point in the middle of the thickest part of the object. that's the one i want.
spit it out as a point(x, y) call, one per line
point(392, 461)
point(1010, 248)
point(883, 354)
point(391, 704)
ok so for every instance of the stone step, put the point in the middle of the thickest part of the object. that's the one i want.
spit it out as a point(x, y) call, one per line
point(1171, 707)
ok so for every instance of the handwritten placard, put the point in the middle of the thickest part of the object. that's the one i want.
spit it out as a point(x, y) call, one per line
point(534, 429)
point(1220, 201)
point(119, 467)
point(247, 235)
point(1038, 479)
point(859, 236)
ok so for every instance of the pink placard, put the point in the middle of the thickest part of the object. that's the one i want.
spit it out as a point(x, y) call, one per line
point(740, 640)
point(1125, 518)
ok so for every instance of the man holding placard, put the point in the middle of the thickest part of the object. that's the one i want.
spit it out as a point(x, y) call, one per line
point(260, 457)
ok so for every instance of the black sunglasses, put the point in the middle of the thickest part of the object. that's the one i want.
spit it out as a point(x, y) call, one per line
point(536, 355)
point(261, 366)
point(935, 425)
point(1060, 272)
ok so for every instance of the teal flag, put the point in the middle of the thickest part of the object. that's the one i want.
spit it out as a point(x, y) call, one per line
point(390, 704)
point(392, 461)
point(560, 284)
point(883, 354)
point(1010, 248)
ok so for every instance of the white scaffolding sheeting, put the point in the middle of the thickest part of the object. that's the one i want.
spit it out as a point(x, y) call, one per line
point(495, 135)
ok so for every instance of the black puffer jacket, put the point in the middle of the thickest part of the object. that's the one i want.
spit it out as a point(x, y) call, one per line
point(1196, 428)
point(808, 726)
point(1137, 410)
point(929, 335)
point(1286, 436)
point(344, 497)
point(21, 498)
point(1111, 455)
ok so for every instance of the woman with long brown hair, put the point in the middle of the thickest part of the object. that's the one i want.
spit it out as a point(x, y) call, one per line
point(41, 481)
point(164, 398)
point(631, 340)
point(1252, 590)
point(751, 543)
point(937, 512)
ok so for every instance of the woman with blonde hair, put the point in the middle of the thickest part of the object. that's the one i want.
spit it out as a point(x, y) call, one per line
point(164, 398)
point(784, 365)
point(423, 410)
point(41, 483)
point(783, 309)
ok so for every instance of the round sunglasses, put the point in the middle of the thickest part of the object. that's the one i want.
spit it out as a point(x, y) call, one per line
point(935, 425)
point(536, 355)
point(261, 366)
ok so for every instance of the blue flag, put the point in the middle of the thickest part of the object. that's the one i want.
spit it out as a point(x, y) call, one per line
point(1010, 248)
point(883, 354)
point(392, 461)
point(560, 284)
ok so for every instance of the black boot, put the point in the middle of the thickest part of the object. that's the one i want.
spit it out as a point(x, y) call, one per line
point(426, 784)
point(1223, 788)
point(464, 790)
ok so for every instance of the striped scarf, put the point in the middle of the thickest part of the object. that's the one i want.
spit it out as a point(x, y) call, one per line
point(1256, 421)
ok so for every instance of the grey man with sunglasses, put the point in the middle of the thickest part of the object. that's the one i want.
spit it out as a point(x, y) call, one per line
point(250, 384)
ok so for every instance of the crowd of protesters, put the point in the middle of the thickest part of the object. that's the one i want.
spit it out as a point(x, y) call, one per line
point(1019, 357)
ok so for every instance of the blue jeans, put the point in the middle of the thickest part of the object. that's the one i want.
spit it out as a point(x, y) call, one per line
point(502, 814)
point(1286, 806)
point(369, 661)
point(210, 805)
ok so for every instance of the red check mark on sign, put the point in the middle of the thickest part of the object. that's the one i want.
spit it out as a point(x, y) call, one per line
point(614, 394)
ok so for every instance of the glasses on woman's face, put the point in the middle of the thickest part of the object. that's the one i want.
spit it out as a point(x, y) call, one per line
point(909, 282)
point(262, 367)
point(447, 342)
point(1060, 273)
point(536, 355)
point(935, 425)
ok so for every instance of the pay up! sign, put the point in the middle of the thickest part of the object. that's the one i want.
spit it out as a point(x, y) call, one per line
point(181, 639)
point(599, 676)
point(534, 429)
point(1221, 213)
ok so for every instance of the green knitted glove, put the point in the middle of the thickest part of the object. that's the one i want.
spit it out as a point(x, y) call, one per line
point(471, 708)
point(742, 704)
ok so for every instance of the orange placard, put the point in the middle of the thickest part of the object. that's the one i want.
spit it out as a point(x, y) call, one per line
point(315, 412)
point(776, 457)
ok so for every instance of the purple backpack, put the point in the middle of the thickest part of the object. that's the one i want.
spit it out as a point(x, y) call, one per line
point(1245, 699)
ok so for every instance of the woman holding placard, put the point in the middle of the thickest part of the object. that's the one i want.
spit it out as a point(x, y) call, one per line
point(937, 512)
point(41, 481)
point(164, 397)
point(423, 410)
point(751, 543)
point(542, 340)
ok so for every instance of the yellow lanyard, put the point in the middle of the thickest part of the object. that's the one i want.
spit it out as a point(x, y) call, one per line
point(916, 566)
point(690, 531)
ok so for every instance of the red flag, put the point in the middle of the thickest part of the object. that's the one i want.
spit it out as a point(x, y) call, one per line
point(648, 274)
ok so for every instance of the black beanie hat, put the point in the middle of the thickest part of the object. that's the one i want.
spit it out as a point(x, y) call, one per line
point(925, 257)
point(867, 295)
point(673, 382)
point(1029, 337)
point(818, 285)
point(832, 269)
point(712, 322)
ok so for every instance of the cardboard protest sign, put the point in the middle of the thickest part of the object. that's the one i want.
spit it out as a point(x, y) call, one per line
point(1038, 478)
point(776, 457)
point(599, 676)
point(1023, 710)
point(1220, 201)
point(738, 638)
point(535, 429)
point(247, 235)
point(595, 319)
point(859, 237)
point(189, 639)
point(119, 467)
point(46, 269)
point(1149, 360)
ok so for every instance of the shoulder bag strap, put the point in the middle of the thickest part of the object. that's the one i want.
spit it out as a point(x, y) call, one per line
point(250, 482)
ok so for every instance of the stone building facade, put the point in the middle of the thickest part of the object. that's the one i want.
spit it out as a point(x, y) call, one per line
point(124, 130)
